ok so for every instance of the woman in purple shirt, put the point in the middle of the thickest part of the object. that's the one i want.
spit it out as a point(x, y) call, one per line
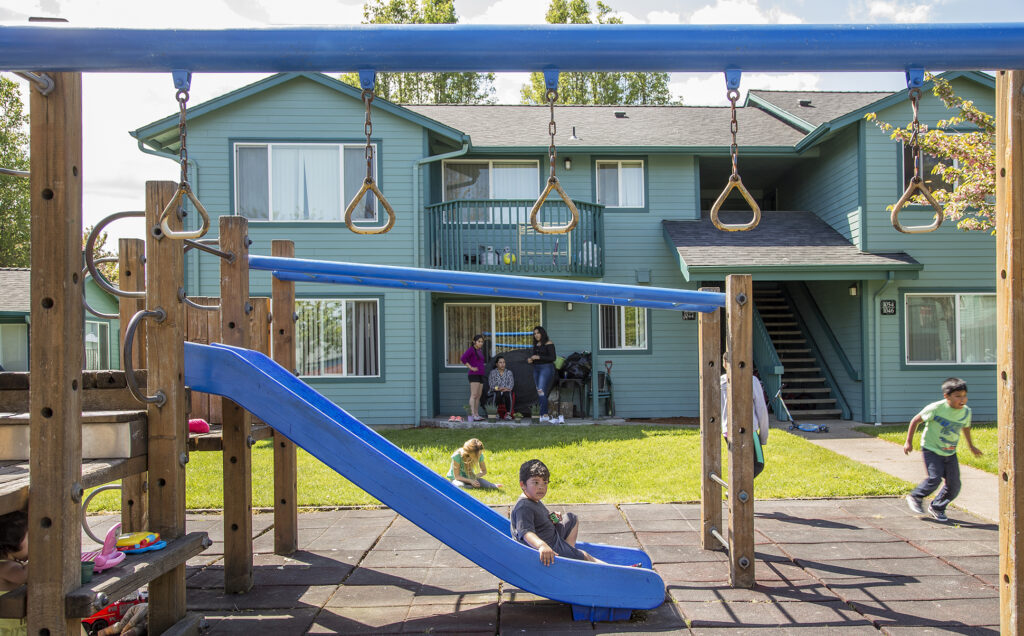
point(475, 362)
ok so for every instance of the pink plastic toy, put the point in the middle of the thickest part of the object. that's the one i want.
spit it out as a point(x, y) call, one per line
point(198, 426)
point(109, 556)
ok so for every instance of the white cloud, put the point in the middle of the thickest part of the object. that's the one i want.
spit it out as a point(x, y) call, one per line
point(511, 12)
point(741, 12)
point(709, 90)
point(664, 17)
point(882, 11)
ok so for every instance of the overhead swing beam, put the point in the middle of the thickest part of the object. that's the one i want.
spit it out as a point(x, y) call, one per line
point(707, 300)
point(486, 291)
point(502, 48)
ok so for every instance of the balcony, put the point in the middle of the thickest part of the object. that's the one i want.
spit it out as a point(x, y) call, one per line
point(495, 235)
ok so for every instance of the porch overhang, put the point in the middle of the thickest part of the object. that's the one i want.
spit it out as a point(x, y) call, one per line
point(784, 246)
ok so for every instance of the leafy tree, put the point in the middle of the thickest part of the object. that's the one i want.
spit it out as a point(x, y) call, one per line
point(966, 159)
point(15, 234)
point(423, 88)
point(596, 87)
point(99, 250)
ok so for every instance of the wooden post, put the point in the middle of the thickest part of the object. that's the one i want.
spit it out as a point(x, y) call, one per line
point(132, 271)
point(709, 337)
point(740, 408)
point(1010, 312)
point(286, 511)
point(168, 428)
point(55, 394)
point(234, 317)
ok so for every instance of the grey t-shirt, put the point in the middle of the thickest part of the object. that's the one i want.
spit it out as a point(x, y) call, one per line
point(533, 516)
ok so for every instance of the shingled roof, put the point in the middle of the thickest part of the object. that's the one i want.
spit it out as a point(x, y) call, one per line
point(600, 126)
point(795, 243)
point(822, 106)
point(15, 289)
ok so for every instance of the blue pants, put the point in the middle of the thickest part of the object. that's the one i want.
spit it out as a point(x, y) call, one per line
point(543, 374)
point(939, 467)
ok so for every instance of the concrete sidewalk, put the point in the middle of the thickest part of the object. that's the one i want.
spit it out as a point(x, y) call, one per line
point(979, 494)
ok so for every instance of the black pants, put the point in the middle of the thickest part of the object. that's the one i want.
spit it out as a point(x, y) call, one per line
point(939, 467)
point(503, 397)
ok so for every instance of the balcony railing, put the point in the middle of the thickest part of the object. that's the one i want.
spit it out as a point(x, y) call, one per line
point(495, 235)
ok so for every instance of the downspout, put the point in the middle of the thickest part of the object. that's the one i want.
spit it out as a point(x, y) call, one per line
point(416, 231)
point(878, 347)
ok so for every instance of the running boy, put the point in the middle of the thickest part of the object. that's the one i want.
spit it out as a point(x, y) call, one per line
point(943, 422)
point(549, 532)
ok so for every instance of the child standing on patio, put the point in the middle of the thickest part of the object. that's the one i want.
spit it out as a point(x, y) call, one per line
point(465, 461)
point(943, 422)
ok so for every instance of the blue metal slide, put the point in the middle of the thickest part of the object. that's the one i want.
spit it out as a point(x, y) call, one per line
point(596, 591)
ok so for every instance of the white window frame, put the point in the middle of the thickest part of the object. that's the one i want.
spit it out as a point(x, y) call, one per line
point(490, 174)
point(103, 326)
point(344, 339)
point(618, 172)
point(269, 145)
point(622, 328)
point(491, 329)
point(956, 312)
point(906, 168)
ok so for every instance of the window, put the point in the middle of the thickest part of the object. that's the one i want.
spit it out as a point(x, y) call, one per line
point(301, 182)
point(506, 326)
point(951, 328)
point(14, 347)
point(97, 345)
point(623, 327)
point(620, 184)
point(931, 181)
point(492, 180)
point(337, 338)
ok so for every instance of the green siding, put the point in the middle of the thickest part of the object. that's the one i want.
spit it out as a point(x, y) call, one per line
point(828, 185)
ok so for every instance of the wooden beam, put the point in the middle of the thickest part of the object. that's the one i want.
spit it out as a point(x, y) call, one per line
point(1010, 334)
point(709, 337)
point(740, 408)
point(56, 358)
point(286, 510)
point(168, 428)
point(234, 330)
point(132, 277)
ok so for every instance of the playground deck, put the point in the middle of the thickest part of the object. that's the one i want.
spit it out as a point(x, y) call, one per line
point(856, 566)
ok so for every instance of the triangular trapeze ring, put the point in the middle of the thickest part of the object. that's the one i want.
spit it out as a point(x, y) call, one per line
point(737, 183)
point(172, 206)
point(916, 184)
point(535, 212)
point(369, 185)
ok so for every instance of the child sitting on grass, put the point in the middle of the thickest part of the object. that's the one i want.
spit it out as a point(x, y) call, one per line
point(13, 569)
point(465, 460)
point(549, 532)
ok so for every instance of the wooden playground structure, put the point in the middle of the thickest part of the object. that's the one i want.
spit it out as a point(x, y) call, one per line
point(60, 398)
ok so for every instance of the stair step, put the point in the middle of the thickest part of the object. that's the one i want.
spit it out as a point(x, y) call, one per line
point(782, 352)
point(811, 401)
point(803, 370)
point(807, 390)
point(800, 414)
point(773, 314)
point(791, 341)
point(786, 361)
point(779, 324)
point(789, 380)
point(784, 332)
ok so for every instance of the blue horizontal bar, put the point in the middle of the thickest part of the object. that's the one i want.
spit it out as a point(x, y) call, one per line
point(464, 47)
point(509, 333)
point(506, 292)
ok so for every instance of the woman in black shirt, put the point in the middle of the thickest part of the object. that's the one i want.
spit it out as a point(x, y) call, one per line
point(543, 361)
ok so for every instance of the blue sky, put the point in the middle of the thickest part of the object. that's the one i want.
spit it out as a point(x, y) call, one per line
point(116, 171)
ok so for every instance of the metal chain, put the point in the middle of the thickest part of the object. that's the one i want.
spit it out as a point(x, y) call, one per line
point(915, 129)
point(367, 96)
point(182, 97)
point(552, 96)
point(734, 149)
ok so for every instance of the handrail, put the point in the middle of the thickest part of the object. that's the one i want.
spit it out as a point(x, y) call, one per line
point(820, 317)
point(159, 398)
point(768, 365)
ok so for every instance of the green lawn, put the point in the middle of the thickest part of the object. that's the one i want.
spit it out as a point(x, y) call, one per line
point(595, 464)
point(984, 435)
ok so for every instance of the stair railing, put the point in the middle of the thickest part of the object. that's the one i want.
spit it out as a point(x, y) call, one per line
point(769, 367)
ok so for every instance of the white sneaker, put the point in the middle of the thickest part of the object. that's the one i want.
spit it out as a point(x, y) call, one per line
point(560, 420)
point(545, 418)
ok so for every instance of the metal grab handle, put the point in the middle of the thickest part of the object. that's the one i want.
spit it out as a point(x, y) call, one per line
point(158, 398)
point(184, 189)
point(369, 185)
point(11, 172)
point(90, 259)
point(191, 303)
point(85, 300)
point(553, 184)
point(916, 184)
point(737, 183)
point(85, 509)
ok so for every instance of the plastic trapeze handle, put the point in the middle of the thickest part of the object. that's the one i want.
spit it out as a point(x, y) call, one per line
point(553, 184)
point(916, 184)
point(186, 190)
point(737, 183)
point(369, 186)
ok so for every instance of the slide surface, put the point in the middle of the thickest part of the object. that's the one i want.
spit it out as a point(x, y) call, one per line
point(264, 388)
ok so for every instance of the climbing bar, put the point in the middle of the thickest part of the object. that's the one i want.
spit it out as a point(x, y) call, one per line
point(159, 398)
point(44, 83)
point(718, 535)
point(718, 480)
point(470, 47)
point(484, 291)
point(11, 172)
point(475, 279)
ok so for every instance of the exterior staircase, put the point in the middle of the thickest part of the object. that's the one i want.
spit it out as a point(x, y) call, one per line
point(805, 388)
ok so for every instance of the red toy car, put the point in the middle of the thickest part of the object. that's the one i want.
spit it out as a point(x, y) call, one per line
point(113, 613)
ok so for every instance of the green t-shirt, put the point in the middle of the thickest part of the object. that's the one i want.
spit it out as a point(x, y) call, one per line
point(942, 425)
point(457, 458)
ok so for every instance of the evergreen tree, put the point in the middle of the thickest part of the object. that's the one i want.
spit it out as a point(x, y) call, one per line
point(423, 88)
point(15, 234)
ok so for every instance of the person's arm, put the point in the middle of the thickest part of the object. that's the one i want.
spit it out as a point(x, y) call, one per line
point(483, 467)
point(909, 444)
point(760, 413)
point(970, 443)
point(457, 472)
point(547, 555)
point(548, 353)
point(466, 357)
